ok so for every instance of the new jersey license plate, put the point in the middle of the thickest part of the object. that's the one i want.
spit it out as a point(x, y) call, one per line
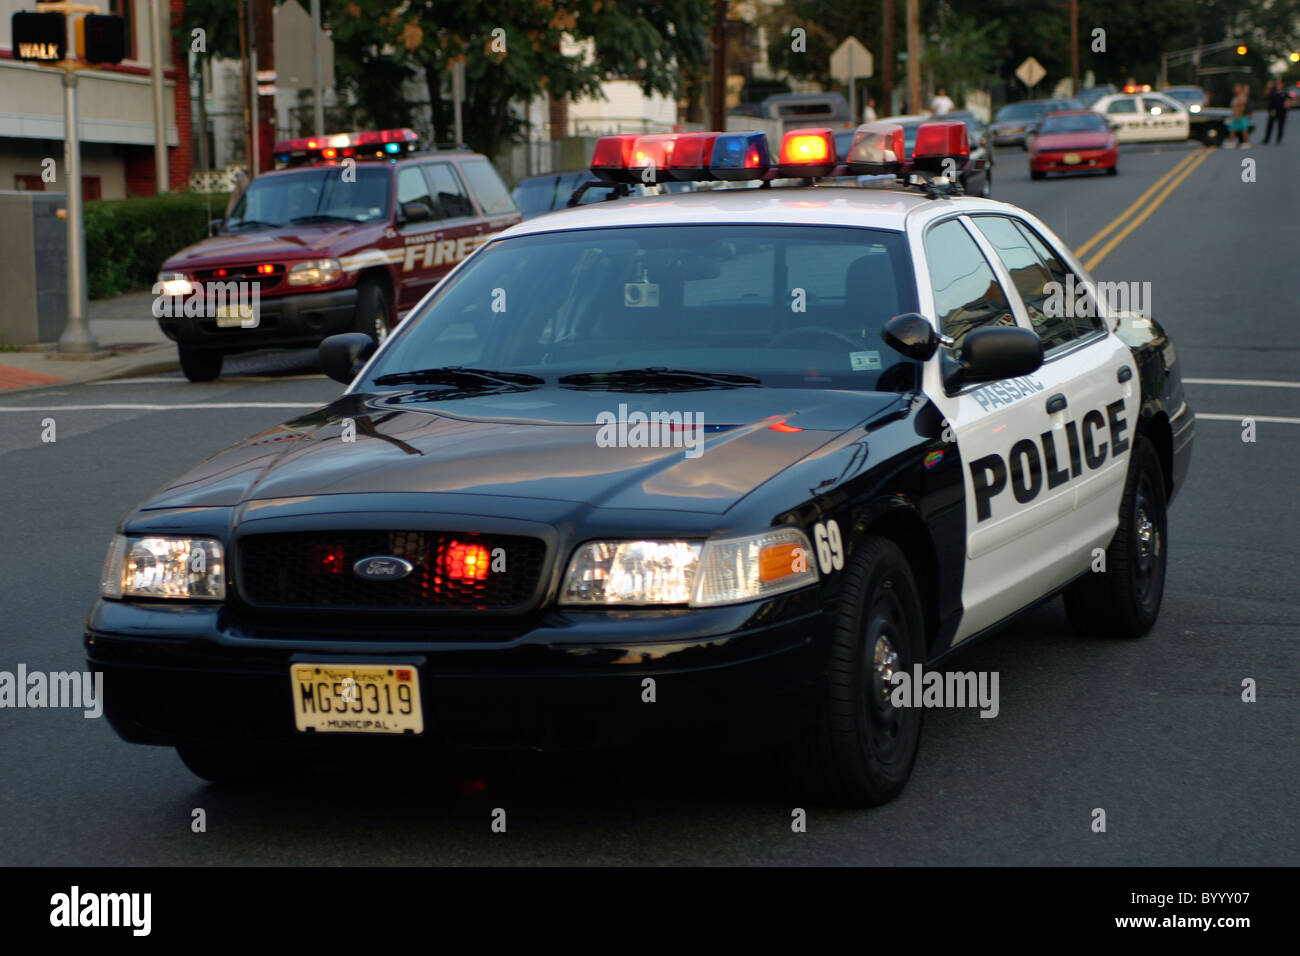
point(1072, 158)
point(356, 699)
point(228, 315)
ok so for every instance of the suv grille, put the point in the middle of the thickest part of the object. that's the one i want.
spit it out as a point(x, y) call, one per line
point(453, 571)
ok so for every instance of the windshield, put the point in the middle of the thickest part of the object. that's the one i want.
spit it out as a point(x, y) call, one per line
point(794, 306)
point(1081, 123)
point(319, 194)
point(1021, 111)
point(1186, 96)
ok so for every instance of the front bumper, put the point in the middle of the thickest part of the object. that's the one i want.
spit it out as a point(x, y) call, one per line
point(1089, 159)
point(294, 319)
point(176, 675)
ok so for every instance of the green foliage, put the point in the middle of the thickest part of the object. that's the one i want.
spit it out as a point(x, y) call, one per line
point(127, 240)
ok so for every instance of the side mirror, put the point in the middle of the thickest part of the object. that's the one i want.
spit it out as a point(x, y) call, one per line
point(911, 335)
point(214, 227)
point(416, 212)
point(993, 353)
point(341, 356)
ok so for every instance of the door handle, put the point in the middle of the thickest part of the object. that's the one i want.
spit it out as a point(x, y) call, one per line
point(1056, 403)
point(1125, 373)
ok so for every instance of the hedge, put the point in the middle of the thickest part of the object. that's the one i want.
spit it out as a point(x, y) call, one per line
point(127, 240)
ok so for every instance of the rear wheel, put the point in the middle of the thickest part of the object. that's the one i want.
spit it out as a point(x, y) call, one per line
point(858, 749)
point(373, 315)
point(200, 365)
point(1124, 599)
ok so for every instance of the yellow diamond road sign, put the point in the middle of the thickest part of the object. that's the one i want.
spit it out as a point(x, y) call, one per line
point(1030, 72)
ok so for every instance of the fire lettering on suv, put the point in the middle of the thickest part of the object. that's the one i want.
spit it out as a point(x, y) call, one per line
point(1029, 468)
point(440, 252)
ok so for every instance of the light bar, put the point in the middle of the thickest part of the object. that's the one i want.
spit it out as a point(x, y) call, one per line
point(654, 151)
point(936, 142)
point(740, 156)
point(807, 153)
point(877, 148)
point(363, 144)
point(612, 158)
point(691, 155)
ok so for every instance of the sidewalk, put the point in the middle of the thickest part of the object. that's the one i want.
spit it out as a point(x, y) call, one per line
point(130, 343)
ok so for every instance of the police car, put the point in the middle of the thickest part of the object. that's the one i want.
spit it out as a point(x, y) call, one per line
point(699, 468)
point(348, 235)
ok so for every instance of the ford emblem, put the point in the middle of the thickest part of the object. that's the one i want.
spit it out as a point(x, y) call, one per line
point(382, 567)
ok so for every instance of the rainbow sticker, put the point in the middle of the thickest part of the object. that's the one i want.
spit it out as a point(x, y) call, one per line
point(932, 459)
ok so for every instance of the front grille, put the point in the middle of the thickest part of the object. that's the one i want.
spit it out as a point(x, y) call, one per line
point(315, 570)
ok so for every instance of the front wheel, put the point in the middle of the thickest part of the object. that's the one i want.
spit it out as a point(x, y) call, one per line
point(1112, 170)
point(1123, 600)
point(200, 365)
point(373, 311)
point(1036, 174)
point(858, 748)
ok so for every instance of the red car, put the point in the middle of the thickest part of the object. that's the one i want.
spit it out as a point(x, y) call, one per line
point(1073, 142)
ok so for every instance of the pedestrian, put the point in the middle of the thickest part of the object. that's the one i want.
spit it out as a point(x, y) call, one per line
point(1239, 124)
point(941, 104)
point(869, 112)
point(1276, 110)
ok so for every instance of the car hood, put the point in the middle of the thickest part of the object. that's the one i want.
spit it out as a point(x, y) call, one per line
point(290, 242)
point(1081, 140)
point(546, 443)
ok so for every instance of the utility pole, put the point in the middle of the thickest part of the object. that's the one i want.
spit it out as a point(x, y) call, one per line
point(255, 159)
point(718, 94)
point(317, 94)
point(161, 179)
point(914, 56)
point(887, 53)
point(248, 116)
point(1074, 45)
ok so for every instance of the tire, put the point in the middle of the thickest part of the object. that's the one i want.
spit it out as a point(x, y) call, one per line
point(1112, 170)
point(858, 749)
point(1036, 174)
point(200, 365)
point(1124, 600)
point(373, 315)
point(219, 765)
point(1212, 134)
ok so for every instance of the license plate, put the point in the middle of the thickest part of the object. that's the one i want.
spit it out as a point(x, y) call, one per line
point(356, 699)
point(228, 315)
point(1071, 158)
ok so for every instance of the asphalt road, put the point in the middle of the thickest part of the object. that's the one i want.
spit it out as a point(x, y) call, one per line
point(1153, 731)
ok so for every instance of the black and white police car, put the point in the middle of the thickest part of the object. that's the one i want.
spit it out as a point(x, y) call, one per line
point(679, 468)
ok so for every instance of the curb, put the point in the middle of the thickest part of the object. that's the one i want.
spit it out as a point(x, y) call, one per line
point(146, 365)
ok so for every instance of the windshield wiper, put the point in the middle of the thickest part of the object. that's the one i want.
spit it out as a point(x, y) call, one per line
point(655, 378)
point(321, 217)
point(460, 376)
point(240, 223)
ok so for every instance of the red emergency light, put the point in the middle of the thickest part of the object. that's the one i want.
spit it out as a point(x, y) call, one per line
point(940, 141)
point(368, 144)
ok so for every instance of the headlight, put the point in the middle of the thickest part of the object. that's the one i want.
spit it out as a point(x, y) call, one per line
point(725, 571)
point(188, 569)
point(315, 272)
point(1195, 107)
point(175, 283)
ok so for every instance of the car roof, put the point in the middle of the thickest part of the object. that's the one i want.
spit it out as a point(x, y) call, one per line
point(815, 205)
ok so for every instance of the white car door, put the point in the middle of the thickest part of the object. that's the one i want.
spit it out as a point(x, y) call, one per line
point(1123, 110)
point(1166, 118)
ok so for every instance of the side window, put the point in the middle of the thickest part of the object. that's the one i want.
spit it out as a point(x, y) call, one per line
point(488, 189)
point(1122, 106)
point(1032, 279)
point(1154, 105)
point(449, 191)
point(1086, 320)
point(412, 187)
point(966, 292)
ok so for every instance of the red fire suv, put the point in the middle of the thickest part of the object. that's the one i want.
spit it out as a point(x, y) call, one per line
point(348, 235)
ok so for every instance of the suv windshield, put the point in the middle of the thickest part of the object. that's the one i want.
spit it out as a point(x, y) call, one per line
point(319, 194)
point(794, 306)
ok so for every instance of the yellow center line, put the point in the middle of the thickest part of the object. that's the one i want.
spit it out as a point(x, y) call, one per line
point(1137, 203)
point(1187, 171)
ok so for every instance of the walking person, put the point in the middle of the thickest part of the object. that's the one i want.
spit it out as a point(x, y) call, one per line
point(941, 103)
point(869, 112)
point(1239, 124)
point(1276, 111)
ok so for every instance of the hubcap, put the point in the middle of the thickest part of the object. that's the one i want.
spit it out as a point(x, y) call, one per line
point(1148, 546)
point(884, 663)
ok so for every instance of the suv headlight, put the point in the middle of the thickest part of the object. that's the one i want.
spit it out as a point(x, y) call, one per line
point(715, 572)
point(315, 272)
point(175, 283)
point(188, 569)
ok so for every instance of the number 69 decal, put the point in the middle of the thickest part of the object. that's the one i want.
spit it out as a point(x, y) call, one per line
point(830, 546)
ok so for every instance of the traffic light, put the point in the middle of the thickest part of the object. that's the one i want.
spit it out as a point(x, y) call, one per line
point(101, 39)
point(1294, 56)
point(1241, 50)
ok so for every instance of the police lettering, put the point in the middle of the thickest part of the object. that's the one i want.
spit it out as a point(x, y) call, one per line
point(1028, 469)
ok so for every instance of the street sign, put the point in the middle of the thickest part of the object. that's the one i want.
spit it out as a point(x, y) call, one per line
point(101, 39)
point(39, 37)
point(851, 60)
point(1030, 72)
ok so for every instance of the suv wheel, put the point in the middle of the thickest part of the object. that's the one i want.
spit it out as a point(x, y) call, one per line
point(1124, 600)
point(859, 748)
point(200, 365)
point(373, 311)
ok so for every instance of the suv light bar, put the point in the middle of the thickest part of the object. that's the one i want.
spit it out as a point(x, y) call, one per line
point(368, 144)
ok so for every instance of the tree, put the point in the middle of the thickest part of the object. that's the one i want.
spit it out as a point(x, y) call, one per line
point(512, 51)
